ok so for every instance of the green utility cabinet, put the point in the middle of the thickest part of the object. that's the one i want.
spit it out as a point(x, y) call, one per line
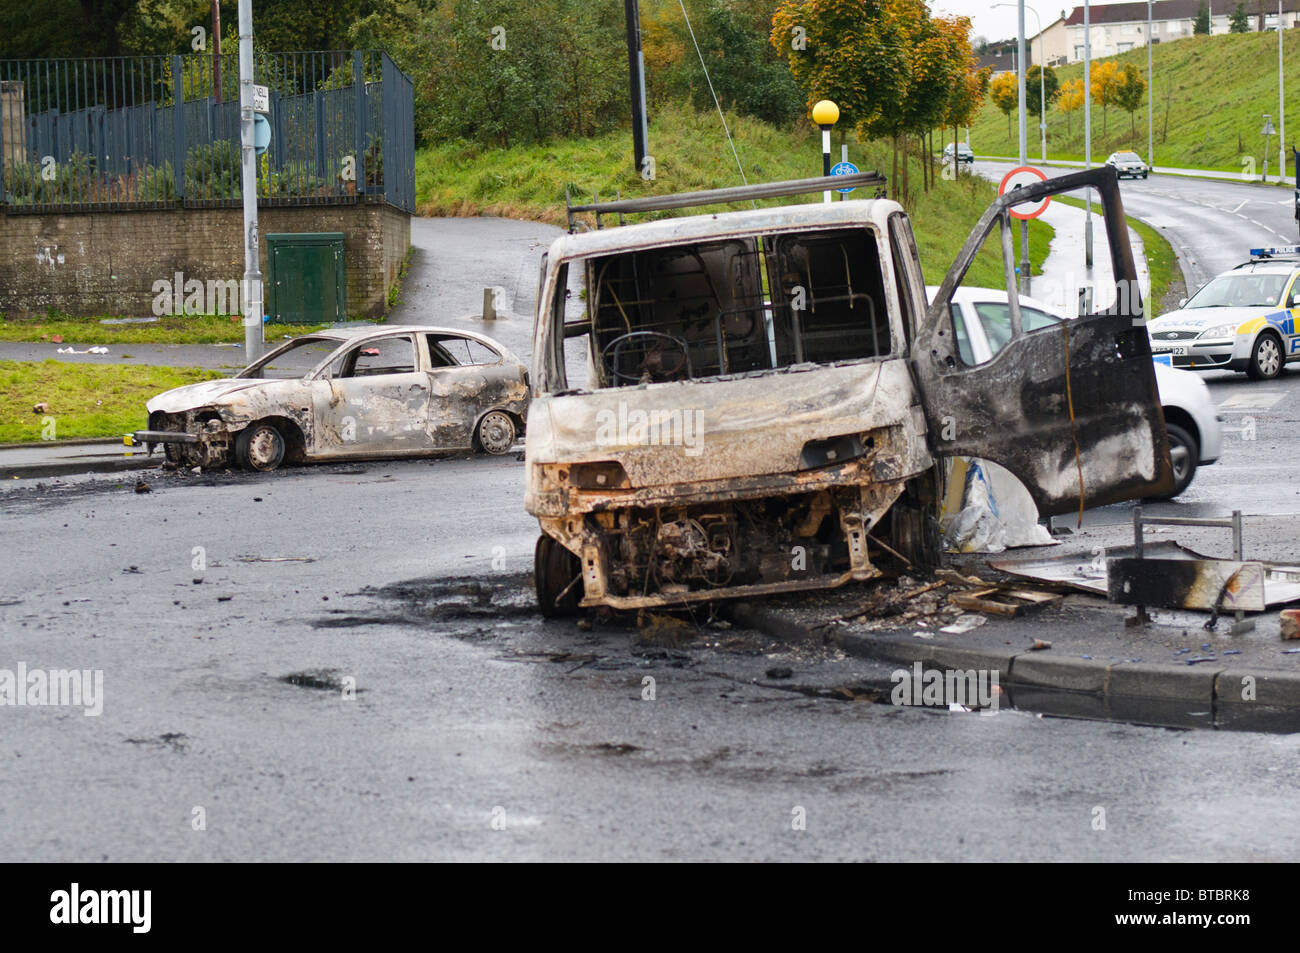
point(305, 278)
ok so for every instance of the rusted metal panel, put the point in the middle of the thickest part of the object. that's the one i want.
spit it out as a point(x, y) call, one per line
point(1073, 410)
point(1224, 585)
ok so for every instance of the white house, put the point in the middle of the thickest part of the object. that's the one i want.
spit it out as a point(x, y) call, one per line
point(1116, 27)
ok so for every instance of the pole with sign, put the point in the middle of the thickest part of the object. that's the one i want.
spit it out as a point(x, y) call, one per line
point(254, 341)
point(844, 167)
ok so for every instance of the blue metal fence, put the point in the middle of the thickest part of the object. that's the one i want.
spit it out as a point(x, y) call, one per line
point(164, 131)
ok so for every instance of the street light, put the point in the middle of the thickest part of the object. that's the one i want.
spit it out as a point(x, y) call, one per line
point(1042, 98)
point(825, 113)
point(1087, 129)
point(1151, 91)
point(1281, 103)
point(1266, 132)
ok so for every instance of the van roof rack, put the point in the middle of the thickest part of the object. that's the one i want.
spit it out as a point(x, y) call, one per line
point(738, 193)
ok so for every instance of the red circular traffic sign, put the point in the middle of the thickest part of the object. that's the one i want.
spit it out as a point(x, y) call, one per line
point(1019, 178)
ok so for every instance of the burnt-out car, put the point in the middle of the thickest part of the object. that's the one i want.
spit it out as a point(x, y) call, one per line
point(768, 394)
point(385, 391)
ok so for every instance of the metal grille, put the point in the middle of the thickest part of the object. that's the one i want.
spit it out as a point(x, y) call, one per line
point(1174, 335)
point(164, 131)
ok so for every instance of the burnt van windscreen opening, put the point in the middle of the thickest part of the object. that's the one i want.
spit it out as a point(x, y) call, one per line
point(735, 306)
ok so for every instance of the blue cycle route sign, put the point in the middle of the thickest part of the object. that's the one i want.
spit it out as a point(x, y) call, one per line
point(844, 168)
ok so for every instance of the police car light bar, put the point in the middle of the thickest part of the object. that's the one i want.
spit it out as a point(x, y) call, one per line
point(1279, 250)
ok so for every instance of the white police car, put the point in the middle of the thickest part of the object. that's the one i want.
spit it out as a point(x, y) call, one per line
point(1243, 320)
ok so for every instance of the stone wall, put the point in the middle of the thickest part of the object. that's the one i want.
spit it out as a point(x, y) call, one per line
point(106, 263)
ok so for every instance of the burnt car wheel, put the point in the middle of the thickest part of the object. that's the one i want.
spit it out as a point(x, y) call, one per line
point(557, 576)
point(496, 432)
point(260, 447)
point(1184, 452)
point(1265, 358)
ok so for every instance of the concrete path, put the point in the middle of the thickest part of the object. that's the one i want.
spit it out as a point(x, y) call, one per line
point(1065, 271)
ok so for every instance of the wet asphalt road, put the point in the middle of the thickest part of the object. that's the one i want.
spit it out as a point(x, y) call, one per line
point(411, 579)
point(1212, 223)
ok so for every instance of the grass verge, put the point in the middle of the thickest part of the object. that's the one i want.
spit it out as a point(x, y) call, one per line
point(194, 329)
point(84, 400)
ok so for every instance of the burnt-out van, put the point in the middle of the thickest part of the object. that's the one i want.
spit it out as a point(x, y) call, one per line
point(757, 401)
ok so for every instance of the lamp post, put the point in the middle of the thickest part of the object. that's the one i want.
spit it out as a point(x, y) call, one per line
point(1042, 98)
point(1087, 129)
point(1151, 148)
point(1281, 103)
point(825, 113)
point(1267, 132)
point(254, 339)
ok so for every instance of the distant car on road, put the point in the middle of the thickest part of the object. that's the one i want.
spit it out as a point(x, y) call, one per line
point(1242, 320)
point(964, 153)
point(348, 394)
point(982, 327)
point(1128, 164)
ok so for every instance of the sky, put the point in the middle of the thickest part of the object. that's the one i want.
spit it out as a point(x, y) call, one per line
point(999, 23)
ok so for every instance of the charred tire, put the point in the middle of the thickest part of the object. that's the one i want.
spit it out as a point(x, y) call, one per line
point(556, 576)
point(496, 432)
point(260, 447)
point(1266, 358)
point(1185, 453)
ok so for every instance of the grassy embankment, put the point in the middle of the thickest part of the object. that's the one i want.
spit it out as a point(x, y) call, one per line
point(690, 154)
point(1211, 93)
point(84, 400)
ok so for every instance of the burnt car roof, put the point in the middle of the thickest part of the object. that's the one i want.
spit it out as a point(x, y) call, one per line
point(683, 229)
point(351, 334)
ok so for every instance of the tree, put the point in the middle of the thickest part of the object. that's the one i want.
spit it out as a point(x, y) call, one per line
point(1068, 99)
point(844, 53)
point(1039, 95)
point(1202, 24)
point(1240, 20)
point(1105, 83)
point(964, 103)
point(1005, 93)
point(1130, 91)
point(747, 73)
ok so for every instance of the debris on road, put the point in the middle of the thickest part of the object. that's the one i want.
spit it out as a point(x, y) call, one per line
point(1004, 600)
point(142, 487)
point(1039, 645)
point(1290, 620)
point(1088, 572)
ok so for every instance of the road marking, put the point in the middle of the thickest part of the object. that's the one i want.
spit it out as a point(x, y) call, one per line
point(1243, 204)
point(1256, 400)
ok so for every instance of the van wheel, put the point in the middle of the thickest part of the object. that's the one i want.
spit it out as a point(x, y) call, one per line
point(1185, 453)
point(259, 447)
point(557, 578)
point(496, 433)
point(1265, 358)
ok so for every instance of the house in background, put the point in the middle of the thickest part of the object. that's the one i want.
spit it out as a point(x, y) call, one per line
point(1118, 27)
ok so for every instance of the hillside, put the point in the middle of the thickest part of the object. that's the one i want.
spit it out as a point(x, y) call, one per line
point(691, 153)
point(1211, 94)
